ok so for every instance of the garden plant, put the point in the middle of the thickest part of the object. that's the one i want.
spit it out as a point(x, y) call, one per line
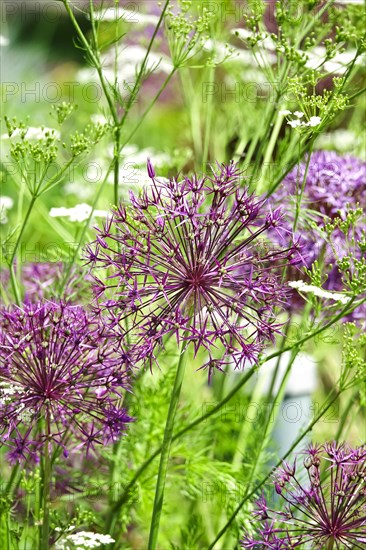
point(183, 275)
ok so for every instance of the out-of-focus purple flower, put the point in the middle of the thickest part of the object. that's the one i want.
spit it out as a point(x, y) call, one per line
point(44, 280)
point(328, 510)
point(334, 184)
point(190, 259)
point(61, 380)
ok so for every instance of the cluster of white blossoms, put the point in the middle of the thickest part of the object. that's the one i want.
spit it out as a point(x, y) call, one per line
point(297, 122)
point(83, 540)
point(78, 213)
point(7, 390)
point(4, 41)
point(6, 203)
point(301, 286)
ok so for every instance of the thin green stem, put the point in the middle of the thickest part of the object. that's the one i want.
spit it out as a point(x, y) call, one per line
point(17, 243)
point(165, 451)
point(141, 72)
point(269, 151)
point(14, 285)
point(94, 59)
point(46, 481)
point(209, 113)
point(178, 435)
point(83, 232)
point(116, 163)
point(303, 185)
point(345, 416)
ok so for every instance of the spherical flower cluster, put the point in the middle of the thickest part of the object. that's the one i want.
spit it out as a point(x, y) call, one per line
point(190, 259)
point(334, 184)
point(327, 511)
point(61, 380)
point(44, 280)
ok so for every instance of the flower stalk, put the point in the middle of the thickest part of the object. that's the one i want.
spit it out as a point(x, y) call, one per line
point(165, 451)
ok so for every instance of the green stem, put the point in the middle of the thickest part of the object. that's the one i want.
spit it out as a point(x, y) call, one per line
point(116, 163)
point(164, 457)
point(94, 59)
point(268, 153)
point(14, 285)
point(83, 233)
point(209, 113)
point(303, 185)
point(17, 243)
point(354, 399)
point(141, 72)
point(46, 480)
point(178, 435)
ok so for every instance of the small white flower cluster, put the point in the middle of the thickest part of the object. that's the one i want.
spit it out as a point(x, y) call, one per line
point(301, 286)
point(78, 213)
point(297, 122)
point(7, 390)
point(83, 540)
point(6, 203)
point(4, 41)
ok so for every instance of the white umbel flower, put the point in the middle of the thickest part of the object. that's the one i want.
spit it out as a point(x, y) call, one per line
point(301, 286)
point(83, 540)
point(4, 41)
point(6, 203)
point(78, 213)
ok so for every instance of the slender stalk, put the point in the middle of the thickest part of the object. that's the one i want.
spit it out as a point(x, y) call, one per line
point(17, 243)
point(178, 435)
point(354, 399)
point(83, 232)
point(209, 113)
point(143, 66)
point(14, 284)
point(117, 138)
point(268, 154)
point(46, 480)
point(165, 451)
point(93, 57)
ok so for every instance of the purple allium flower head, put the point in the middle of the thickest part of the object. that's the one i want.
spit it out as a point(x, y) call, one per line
point(334, 184)
point(189, 259)
point(328, 510)
point(61, 379)
point(43, 280)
